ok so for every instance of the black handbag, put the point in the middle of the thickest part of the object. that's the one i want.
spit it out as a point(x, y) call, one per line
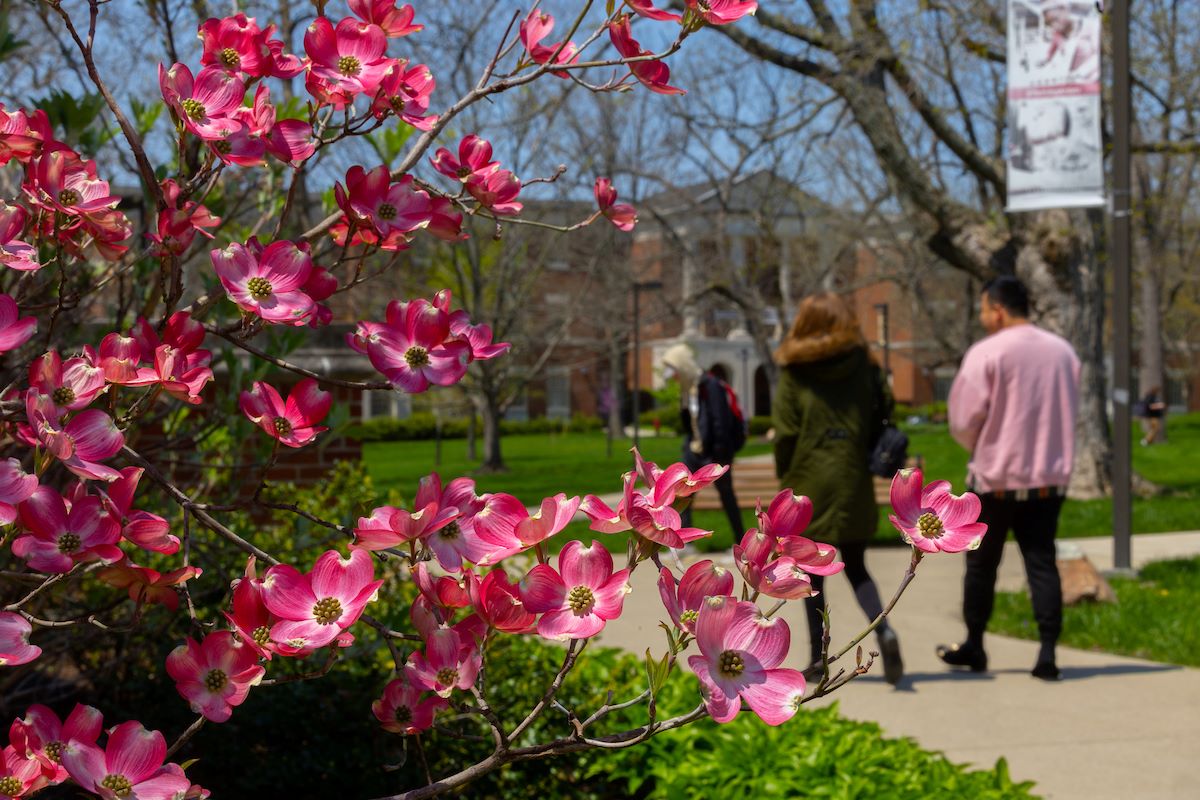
point(889, 453)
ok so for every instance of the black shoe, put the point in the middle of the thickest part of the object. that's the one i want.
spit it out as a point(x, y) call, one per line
point(889, 649)
point(1046, 671)
point(964, 655)
point(813, 672)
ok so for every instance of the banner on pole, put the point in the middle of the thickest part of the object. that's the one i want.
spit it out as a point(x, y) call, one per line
point(1054, 152)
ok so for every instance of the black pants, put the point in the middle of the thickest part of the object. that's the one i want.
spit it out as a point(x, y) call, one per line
point(729, 503)
point(1034, 523)
point(854, 555)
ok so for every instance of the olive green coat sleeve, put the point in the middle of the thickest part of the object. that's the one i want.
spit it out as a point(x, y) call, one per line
point(826, 416)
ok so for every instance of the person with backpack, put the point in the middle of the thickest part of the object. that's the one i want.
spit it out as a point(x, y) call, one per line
point(714, 429)
point(830, 410)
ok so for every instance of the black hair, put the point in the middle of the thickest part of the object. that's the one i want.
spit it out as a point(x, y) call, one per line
point(1009, 293)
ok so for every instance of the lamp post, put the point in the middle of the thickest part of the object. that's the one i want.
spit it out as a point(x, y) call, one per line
point(1122, 288)
point(881, 321)
point(638, 287)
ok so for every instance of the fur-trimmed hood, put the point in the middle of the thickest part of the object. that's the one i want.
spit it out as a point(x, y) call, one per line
point(817, 348)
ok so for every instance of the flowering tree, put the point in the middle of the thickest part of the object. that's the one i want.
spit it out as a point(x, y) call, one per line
point(84, 407)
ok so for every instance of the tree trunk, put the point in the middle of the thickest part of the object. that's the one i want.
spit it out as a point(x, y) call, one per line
point(493, 459)
point(1057, 255)
point(1059, 260)
point(1150, 347)
point(473, 436)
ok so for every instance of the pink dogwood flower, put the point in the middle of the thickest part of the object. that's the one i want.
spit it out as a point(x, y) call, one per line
point(179, 374)
point(787, 515)
point(16, 485)
point(350, 59)
point(389, 526)
point(22, 134)
point(14, 253)
point(448, 663)
point(14, 329)
point(15, 648)
point(535, 28)
point(388, 208)
point(552, 517)
point(252, 621)
point(402, 710)
point(647, 9)
point(395, 21)
point(72, 385)
point(62, 182)
point(652, 73)
point(444, 222)
point(267, 284)
point(684, 600)
point(623, 215)
point(119, 358)
point(293, 423)
point(41, 735)
point(474, 160)
point(214, 675)
point(932, 519)
point(446, 592)
point(129, 766)
point(236, 44)
point(740, 654)
point(722, 12)
point(89, 438)
point(19, 776)
point(178, 224)
point(497, 191)
point(146, 585)
point(417, 352)
point(315, 607)
point(405, 91)
point(576, 603)
point(206, 103)
point(484, 531)
point(497, 601)
point(55, 539)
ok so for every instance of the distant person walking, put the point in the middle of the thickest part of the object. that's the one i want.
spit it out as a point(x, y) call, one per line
point(1013, 405)
point(829, 410)
point(712, 432)
point(1152, 409)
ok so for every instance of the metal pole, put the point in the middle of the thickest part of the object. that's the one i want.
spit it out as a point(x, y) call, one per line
point(1122, 289)
point(637, 372)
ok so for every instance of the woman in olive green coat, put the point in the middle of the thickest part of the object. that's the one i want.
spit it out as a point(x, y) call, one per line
point(829, 410)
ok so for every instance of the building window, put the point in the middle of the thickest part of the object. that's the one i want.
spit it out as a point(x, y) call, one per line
point(386, 404)
point(558, 394)
point(519, 410)
point(941, 386)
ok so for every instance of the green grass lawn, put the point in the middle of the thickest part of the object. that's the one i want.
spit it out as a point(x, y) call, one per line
point(1154, 618)
point(576, 463)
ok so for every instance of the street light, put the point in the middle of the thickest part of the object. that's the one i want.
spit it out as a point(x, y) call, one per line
point(638, 287)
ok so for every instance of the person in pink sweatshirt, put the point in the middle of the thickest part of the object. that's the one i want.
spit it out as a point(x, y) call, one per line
point(1013, 405)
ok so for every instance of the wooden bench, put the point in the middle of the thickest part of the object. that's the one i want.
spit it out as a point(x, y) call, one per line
point(756, 479)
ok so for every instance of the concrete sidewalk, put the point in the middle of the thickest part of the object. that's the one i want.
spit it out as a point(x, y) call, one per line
point(1115, 727)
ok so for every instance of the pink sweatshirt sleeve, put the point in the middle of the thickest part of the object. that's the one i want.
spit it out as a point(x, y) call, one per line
point(969, 399)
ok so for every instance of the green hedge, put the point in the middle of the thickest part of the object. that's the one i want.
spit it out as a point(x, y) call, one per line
point(424, 426)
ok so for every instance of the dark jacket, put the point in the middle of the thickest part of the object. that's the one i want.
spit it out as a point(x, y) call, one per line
point(828, 413)
point(713, 423)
